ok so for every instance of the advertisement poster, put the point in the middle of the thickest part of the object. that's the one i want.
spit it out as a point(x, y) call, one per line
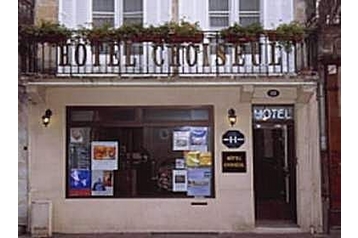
point(104, 155)
point(198, 139)
point(80, 182)
point(102, 183)
point(180, 163)
point(79, 135)
point(198, 159)
point(205, 159)
point(181, 140)
point(199, 182)
point(80, 156)
point(192, 158)
point(179, 181)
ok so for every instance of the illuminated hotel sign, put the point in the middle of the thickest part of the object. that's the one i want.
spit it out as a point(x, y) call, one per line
point(270, 113)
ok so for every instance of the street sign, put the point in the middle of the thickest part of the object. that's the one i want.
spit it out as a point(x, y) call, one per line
point(233, 139)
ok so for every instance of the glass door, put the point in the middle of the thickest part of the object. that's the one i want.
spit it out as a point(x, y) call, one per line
point(274, 172)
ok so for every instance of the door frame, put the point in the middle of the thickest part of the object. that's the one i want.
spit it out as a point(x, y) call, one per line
point(291, 150)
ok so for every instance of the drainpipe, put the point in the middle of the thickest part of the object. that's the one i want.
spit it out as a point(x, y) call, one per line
point(321, 95)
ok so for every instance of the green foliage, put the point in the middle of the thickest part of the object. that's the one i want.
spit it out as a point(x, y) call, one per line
point(236, 30)
point(289, 33)
point(46, 31)
point(183, 28)
point(128, 31)
point(98, 34)
point(254, 29)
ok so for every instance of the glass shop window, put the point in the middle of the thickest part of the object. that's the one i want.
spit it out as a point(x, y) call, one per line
point(140, 152)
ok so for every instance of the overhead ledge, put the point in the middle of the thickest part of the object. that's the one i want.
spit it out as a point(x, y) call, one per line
point(246, 93)
point(304, 93)
point(36, 94)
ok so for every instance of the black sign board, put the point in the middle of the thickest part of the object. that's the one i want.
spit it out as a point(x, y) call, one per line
point(233, 139)
point(234, 162)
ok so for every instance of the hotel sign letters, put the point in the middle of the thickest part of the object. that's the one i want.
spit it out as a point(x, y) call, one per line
point(234, 162)
point(269, 113)
point(81, 54)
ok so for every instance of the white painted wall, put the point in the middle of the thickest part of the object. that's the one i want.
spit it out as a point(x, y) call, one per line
point(231, 210)
point(74, 13)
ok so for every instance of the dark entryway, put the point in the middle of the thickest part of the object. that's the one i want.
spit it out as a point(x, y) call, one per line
point(274, 172)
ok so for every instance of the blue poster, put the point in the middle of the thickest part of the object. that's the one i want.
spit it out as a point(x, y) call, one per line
point(199, 182)
point(198, 139)
point(80, 179)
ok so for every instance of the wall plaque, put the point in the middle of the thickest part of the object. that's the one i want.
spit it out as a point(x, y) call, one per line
point(233, 161)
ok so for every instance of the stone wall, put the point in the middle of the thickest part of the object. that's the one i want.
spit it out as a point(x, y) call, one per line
point(300, 11)
point(46, 10)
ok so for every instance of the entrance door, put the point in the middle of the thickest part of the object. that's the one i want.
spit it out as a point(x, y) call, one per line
point(274, 172)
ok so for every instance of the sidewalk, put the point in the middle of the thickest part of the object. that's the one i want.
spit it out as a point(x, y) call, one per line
point(335, 234)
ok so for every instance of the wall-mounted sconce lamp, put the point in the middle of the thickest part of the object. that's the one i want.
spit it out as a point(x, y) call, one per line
point(46, 117)
point(232, 117)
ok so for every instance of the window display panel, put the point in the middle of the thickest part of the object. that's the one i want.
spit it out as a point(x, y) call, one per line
point(141, 160)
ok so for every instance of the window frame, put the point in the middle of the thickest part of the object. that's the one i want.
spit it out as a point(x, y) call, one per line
point(250, 13)
point(103, 14)
point(234, 13)
point(138, 122)
point(119, 13)
point(219, 13)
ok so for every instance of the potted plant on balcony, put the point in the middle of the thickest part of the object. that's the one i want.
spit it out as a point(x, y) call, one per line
point(240, 34)
point(156, 34)
point(98, 35)
point(183, 31)
point(131, 32)
point(288, 34)
point(46, 32)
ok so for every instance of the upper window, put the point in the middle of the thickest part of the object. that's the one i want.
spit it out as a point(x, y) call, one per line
point(133, 12)
point(103, 12)
point(249, 12)
point(219, 13)
point(222, 12)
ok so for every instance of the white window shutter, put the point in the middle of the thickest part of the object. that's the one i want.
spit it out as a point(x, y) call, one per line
point(151, 12)
point(83, 13)
point(156, 12)
point(287, 11)
point(165, 11)
point(277, 12)
point(67, 13)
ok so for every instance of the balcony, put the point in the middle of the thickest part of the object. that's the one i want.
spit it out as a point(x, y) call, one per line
point(211, 57)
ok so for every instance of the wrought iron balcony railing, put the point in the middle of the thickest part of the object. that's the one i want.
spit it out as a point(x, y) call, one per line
point(212, 57)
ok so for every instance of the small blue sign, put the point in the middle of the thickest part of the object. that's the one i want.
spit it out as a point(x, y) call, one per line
point(233, 139)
